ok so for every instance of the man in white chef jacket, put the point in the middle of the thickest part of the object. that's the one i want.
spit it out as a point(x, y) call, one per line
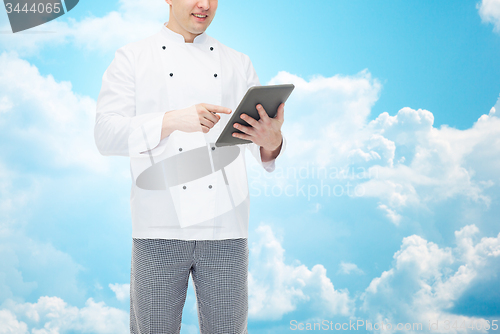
point(164, 101)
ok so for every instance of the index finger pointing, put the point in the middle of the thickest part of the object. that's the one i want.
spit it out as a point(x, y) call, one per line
point(216, 109)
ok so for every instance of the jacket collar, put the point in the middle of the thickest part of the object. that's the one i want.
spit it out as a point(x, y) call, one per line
point(178, 38)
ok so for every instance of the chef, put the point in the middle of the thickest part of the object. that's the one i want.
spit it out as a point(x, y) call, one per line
point(164, 101)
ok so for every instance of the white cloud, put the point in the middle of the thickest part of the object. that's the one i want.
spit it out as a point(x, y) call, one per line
point(6, 104)
point(333, 108)
point(426, 281)
point(391, 214)
point(47, 120)
point(411, 163)
point(133, 20)
point(122, 291)
point(46, 128)
point(10, 324)
point(52, 315)
point(489, 10)
point(30, 42)
point(348, 268)
point(438, 163)
point(27, 265)
point(11, 199)
point(277, 288)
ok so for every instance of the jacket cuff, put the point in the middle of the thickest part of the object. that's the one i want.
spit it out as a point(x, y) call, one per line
point(269, 166)
point(145, 136)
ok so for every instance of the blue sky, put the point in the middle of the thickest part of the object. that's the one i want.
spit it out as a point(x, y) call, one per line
point(397, 101)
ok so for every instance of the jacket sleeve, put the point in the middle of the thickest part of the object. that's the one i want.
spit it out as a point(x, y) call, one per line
point(253, 80)
point(118, 130)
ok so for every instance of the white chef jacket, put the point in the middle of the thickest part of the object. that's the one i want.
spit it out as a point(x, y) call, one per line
point(183, 186)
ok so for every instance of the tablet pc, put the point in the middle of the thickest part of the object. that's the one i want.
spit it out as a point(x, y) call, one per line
point(269, 96)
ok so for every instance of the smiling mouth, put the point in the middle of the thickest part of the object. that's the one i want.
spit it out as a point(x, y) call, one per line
point(200, 16)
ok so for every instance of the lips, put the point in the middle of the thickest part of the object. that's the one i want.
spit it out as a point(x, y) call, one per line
point(200, 16)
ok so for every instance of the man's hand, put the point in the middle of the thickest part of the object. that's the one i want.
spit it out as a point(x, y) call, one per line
point(200, 117)
point(266, 132)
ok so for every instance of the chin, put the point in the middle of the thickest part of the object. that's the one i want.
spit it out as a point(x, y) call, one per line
point(198, 31)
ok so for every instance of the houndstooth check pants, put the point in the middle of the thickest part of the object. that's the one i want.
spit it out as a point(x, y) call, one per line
point(159, 276)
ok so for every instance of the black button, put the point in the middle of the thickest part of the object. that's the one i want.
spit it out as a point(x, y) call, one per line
point(211, 48)
point(213, 148)
point(171, 74)
point(184, 187)
point(215, 75)
point(210, 187)
point(163, 47)
point(180, 149)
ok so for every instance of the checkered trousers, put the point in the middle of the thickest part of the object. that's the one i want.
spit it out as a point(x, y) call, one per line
point(159, 280)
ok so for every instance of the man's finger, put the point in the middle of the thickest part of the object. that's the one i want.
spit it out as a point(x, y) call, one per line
point(216, 109)
point(250, 120)
point(242, 136)
point(212, 117)
point(262, 112)
point(246, 129)
point(205, 129)
point(206, 122)
point(281, 112)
